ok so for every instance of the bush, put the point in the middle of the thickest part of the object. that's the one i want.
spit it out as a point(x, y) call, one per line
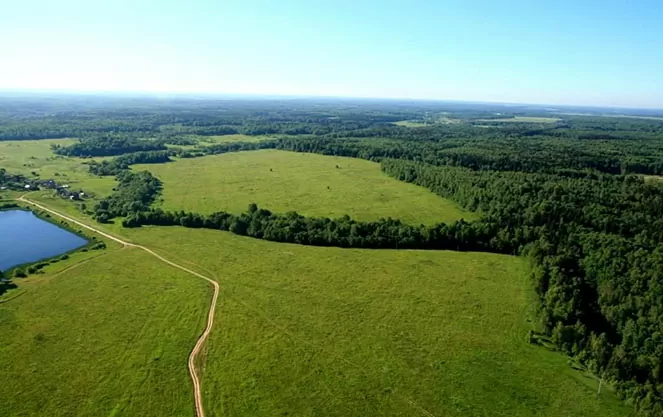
point(19, 273)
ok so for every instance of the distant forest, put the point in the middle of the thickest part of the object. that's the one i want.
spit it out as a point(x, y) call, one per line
point(579, 196)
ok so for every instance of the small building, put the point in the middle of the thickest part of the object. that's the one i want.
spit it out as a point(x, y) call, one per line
point(27, 186)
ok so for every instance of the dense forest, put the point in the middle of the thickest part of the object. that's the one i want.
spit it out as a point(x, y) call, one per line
point(108, 145)
point(571, 195)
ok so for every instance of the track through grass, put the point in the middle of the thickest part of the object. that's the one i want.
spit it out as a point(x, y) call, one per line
point(108, 337)
point(328, 331)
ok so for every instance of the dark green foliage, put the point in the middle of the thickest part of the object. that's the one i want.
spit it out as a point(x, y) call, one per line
point(319, 231)
point(12, 182)
point(122, 162)
point(7, 206)
point(98, 246)
point(109, 145)
point(597, 246)
point(478, 149)
point(134, 193)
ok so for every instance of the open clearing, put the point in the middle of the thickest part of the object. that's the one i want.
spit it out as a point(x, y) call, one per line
point(110, 336)
point(228, 138)
point(523, 119)
point(27, 156)
point(410, 123)
point(327, 331)
point(313, 185)
point(418, 123)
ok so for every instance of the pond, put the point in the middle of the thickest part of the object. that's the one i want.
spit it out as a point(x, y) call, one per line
point(25, 238)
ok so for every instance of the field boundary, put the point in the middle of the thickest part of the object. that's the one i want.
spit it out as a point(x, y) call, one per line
point(200, 411)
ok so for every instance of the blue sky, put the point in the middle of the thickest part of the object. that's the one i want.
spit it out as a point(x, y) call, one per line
point(560, 52)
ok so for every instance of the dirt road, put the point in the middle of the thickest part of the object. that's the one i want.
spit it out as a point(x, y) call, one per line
point(200, 411)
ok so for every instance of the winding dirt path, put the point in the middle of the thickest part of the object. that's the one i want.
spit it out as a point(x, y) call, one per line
point(200, 411)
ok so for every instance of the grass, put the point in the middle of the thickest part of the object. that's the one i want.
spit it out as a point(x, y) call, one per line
point(336, 332)
point(653, 178)
point(314, 185)
point(299, 330)
point(411, 123)
point(326, 331)
point(214, 139)
point(523, 119)
point(109, 336)
point(442, 119)
point(229, 138)
point(28, 156)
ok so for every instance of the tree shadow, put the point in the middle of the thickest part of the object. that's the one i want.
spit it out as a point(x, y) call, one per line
point(6, 286)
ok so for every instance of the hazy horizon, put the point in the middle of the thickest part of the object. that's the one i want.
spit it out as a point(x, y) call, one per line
point(258, 96)
point(594, 54)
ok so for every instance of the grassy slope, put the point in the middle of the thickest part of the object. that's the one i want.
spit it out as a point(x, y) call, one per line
point(107, 337)
point(308, 183)
point(25, 156)
point(326, 331)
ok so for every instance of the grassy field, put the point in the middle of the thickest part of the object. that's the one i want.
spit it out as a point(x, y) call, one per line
point(229, 138)
point(28, 156)
point(446, 120)
point(523, 119)
point(101, 334)
point(299, 330)
point(324, 331)
point(313, 185)
point(214, 139)
point(410, 123)
point(653, 178)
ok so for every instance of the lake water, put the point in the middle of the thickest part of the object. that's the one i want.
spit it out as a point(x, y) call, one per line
point(25, 237)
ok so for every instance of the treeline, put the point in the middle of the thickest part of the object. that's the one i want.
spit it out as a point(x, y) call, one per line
point(597, 247)
point(221, 148)
point(134, 193)
point(321, 231)
point(12, 181)
point(40, 118)
point(108, 145)
point(549, 155)
point(122, 162)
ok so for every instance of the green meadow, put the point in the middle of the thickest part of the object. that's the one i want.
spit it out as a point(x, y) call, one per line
point(35, 156)
point(411, 123)
point(101, 334)
point(228, 139)
point(341, 332)
point(313, 185)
